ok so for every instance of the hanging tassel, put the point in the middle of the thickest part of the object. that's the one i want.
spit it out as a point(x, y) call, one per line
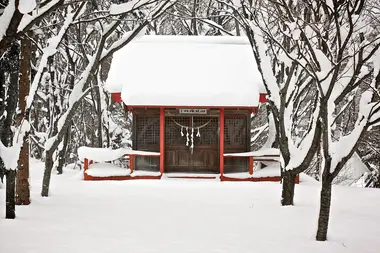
point(187, 137)
point(198, 133)
point(182, 131)
point(192, 140)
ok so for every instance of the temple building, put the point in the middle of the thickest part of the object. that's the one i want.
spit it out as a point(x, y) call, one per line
point(192, 98)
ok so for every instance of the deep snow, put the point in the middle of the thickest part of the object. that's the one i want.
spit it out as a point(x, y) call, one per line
point(185, 216)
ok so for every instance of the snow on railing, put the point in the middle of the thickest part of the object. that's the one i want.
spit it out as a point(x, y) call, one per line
point(108, 155)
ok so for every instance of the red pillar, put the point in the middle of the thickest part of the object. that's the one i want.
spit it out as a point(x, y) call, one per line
point(251, 165)
point(131, 165)
point(162, 139)
point(85, 167)
point(221, 142)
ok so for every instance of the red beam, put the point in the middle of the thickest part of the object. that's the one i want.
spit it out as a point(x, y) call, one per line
point(193, 177)
point(190, 107)
point(116, 97)
point(255, 179)
point(263, 98)
point(221, 142)
point(118, 178)
point(251, 179)
point(162, 139)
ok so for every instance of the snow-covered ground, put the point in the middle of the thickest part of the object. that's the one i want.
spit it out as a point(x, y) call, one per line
point(185, 216)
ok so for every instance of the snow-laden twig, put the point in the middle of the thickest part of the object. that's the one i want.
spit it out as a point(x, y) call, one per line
point(49, 51)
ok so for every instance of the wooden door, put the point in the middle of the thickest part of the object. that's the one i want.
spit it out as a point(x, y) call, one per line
point(191, 144)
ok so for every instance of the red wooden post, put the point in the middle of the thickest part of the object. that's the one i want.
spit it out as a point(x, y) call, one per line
point(162, 139)
point(263, 98)
point(251, 165)
point(85, 167)
point(116, 97)
point(131, 163)
point(221, 142)
point(85, 164)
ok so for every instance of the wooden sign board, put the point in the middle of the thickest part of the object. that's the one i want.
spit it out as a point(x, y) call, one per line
point(193, 111)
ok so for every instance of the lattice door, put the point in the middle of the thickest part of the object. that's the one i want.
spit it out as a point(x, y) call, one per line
point(179, 157)
point(235, 140)
point(235, 132)
point(147, 131)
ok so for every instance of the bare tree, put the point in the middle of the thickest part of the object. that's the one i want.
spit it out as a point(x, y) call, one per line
point(14, 24)
point(287, 82)
point(101, 51)
point(22, 184)
point(327, 45)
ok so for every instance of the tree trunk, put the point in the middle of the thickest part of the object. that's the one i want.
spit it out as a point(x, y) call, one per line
point(10, 207)
point(47, 173)
point(62, 152)
point(193, 18)
point(2, 109)
point(237, 27)
point(288, 184)
point(22, 186)
point(7, 134)
point(98, 108)
point(324, 211)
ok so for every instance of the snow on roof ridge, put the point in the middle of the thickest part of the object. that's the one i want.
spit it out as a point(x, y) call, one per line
point(198, 39)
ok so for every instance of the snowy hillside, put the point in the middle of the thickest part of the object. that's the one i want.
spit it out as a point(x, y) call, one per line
point(186, 216)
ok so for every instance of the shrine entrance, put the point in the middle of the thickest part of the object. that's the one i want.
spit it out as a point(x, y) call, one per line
point(191, 143)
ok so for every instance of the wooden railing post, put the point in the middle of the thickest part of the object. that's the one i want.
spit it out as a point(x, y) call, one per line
point(250, 165)
point(131, 165)
point(85, 168)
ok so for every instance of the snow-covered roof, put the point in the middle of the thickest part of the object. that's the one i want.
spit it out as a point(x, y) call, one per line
point(186, 71)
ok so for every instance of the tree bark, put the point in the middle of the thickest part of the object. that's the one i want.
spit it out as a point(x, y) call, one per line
point(288, 184)
point(2, 109)
point(47, 173)
point(98, 108)
point(62, 152)
point(193, 18)
point(22, 186)
point(12, 59)
point(324, 211)
point(10, 207)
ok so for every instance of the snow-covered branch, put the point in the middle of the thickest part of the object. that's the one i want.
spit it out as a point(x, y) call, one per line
point(50, 50)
